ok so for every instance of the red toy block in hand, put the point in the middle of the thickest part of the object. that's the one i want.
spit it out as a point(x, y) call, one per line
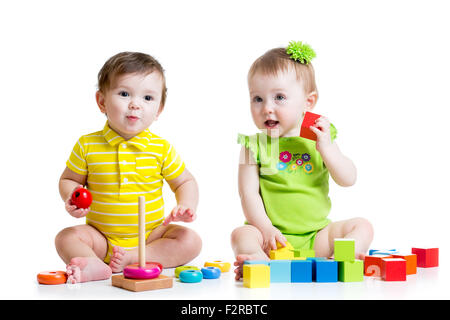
point(308, 121)
point(426, 258)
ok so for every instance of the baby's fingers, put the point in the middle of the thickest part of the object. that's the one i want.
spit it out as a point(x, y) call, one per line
point(317, 131)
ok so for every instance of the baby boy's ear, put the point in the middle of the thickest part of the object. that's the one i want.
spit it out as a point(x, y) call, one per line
point(100, 101)
point(160, 110)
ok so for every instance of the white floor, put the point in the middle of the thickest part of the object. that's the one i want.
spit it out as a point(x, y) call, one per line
point(430, 283)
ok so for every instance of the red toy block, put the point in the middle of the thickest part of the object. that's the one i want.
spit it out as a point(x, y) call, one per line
point(394, 269)
point(374, 264)
point(426, 257)
point(308, 120)
point(411, 262)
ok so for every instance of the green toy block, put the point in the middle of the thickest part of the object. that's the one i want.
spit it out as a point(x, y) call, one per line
point(344, 249)
point(305, 253)
point(351, 271)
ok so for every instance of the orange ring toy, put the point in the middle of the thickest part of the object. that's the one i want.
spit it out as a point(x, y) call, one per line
point(52, 277)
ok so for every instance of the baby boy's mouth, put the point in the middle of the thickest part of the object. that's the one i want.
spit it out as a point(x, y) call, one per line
point(270, 123)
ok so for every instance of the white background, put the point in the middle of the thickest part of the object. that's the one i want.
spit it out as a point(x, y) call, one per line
point(382, 71)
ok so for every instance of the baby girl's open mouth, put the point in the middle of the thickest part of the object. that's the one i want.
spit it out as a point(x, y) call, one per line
point(270, 124)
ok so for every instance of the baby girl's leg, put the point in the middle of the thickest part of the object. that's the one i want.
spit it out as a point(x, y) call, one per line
point(359, 229)
point(171, 245)
point(83, 249)
point(247, 244)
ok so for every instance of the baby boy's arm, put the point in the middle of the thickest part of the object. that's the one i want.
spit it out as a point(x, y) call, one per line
point(251, 201)
point(186, 192)
point(68, 181)
point(341, 168)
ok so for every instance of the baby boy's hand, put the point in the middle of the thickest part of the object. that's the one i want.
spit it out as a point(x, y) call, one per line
point(322, 130)
point(180, 213)
point(73, 210)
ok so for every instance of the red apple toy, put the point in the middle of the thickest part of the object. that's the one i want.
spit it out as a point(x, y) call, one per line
point(82, 198)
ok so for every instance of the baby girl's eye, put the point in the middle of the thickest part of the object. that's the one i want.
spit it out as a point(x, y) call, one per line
point(257, 99)
point(280, 97)
point(148, 98)
point(123, 94)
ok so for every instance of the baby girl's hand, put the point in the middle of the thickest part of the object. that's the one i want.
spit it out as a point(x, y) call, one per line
point(73, 210)
point(270, 237)
point(180, 213)
point(322, 130)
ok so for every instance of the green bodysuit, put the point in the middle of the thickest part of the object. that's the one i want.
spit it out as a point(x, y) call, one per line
point(293, 184)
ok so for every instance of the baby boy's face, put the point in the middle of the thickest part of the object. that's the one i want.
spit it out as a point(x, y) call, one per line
point(277, 103)
point(132, 102)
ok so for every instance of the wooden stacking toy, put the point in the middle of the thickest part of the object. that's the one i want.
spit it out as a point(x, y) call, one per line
point(144, 275)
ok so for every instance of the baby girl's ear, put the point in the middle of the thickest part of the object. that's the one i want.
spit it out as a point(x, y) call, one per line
point(99, 97)
point(311, 100)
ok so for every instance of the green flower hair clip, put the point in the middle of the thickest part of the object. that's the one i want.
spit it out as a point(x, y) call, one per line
point(300, 52)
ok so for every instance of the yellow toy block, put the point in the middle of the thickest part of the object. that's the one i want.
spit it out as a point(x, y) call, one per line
point(281, 254)
point(256, 276)
point(288, 246)
point(299, 258)
point(223, 266)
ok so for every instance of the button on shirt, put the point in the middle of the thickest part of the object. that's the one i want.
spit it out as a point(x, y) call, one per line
point(118, 172)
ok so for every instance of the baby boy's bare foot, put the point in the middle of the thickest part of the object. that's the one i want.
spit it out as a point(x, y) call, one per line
point(83, 269)
point(240, 258)
point(119, 259)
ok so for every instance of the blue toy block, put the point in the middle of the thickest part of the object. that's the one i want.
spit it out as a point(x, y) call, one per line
point(280, 271)
point(257, 262)
point(301, 270)
point(326, 271)
point(313, 260)
point(384, 252)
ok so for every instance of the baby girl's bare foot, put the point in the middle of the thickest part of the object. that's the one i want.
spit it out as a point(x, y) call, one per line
point(119, 259)
point(83, 269)
point(240, 258)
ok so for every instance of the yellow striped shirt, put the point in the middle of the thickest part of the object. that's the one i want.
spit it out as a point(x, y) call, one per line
point(118, 172)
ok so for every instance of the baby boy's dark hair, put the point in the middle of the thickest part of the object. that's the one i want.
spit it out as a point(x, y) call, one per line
point(130, 62)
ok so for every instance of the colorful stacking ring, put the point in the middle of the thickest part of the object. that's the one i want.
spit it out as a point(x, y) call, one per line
point(150, 271)
point(223, 266)
point(182, 268)
point(211, 272)
point(191, 276)
point(52, 277)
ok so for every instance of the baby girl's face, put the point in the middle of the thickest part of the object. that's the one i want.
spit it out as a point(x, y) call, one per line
point(132, 103)
point(277, 103)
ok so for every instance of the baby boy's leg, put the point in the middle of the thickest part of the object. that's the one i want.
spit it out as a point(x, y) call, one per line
point(172, 245)
point(83, 249)
point(247, 244)
point(359, 229)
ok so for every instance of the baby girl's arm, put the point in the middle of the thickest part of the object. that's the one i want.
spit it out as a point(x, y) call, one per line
point(341, 168)
point(186, 192)
point(252, 203)
point(68, 182)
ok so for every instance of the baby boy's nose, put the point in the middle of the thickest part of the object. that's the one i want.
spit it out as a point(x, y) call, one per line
point(133, 105)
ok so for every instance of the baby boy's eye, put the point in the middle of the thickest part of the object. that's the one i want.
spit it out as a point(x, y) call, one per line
point(257, 99)
point(148, 98)
point(280, 97)
point(123, 94)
